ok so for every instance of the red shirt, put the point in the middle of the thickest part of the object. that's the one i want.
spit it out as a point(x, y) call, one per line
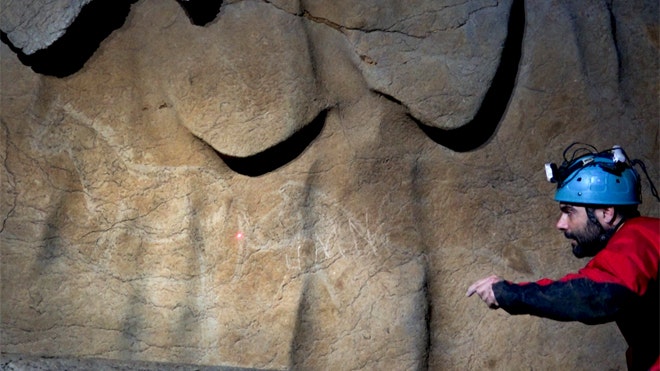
point(620, 284)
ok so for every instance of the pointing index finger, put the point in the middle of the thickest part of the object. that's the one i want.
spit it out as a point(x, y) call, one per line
point(472, 289)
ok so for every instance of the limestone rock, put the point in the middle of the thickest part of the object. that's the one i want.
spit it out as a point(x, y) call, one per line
point(35, 24)
point(310, 185)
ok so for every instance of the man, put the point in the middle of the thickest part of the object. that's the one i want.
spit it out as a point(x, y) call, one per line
point(598, 194)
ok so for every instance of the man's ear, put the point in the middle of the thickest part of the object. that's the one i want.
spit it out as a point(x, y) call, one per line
point(607, 216)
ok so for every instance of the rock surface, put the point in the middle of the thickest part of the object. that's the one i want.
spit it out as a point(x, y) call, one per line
point(35, 25)
point(310, 185)
point(12, 362)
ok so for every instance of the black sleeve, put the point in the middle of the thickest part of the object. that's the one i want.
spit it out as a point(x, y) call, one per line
point(580, 300)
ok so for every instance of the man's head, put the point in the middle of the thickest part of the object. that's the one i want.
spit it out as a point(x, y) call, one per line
point(596, 192)
point(591, 227)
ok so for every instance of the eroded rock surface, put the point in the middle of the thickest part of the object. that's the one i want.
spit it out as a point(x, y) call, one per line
point(308, 185)
point(34, 25)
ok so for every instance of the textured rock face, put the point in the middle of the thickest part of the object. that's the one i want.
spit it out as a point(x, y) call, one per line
point(312, 185)
point(35, 25)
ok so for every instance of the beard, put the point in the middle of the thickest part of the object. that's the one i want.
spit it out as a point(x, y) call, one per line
point(589, 240)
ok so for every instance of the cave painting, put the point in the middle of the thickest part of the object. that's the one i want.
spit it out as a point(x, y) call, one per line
point(303, 185)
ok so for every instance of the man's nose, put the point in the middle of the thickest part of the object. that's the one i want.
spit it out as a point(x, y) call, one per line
point(562, 225)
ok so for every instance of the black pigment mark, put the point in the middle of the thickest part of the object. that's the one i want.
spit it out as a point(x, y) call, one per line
point(68, 54)
point(484, 123)
point(201, 12)
point(278, 155)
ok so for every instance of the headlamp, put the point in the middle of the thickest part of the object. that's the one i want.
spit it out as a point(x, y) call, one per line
point(589, 176)
point(556, 174)
point(618, 155)
point(550, 171)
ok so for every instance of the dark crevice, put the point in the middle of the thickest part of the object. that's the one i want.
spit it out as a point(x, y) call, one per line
point(428, 319)
point(389, 97)
point(278, 155)
point(302, 331)
point(419, 198)
point(615, 40)
point(481, 128)
point(201, 12)
point(68, 54)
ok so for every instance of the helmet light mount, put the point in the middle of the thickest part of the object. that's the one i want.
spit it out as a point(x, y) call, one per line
point(550, 171)
point(597, 177)
point(556, 174)
point(618, 155)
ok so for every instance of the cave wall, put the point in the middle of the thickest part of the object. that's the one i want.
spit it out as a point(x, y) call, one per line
point(306, 184)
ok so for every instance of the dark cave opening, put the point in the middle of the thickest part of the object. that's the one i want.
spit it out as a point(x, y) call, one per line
point(278, 155)
point(68, 54)
point(201, 12)
point(95, 22)
point(483, 125)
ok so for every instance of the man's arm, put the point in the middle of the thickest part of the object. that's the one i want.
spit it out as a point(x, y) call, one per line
point(571, 300)
point(578, 299)
point(484, 289)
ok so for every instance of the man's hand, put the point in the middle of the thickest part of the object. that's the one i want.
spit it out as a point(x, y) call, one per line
point(484, 288)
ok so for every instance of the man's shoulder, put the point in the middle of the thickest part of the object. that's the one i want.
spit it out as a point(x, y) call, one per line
point(641, 228)
point(644, 221)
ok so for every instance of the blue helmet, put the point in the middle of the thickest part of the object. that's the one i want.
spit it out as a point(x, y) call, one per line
point(597, 178)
